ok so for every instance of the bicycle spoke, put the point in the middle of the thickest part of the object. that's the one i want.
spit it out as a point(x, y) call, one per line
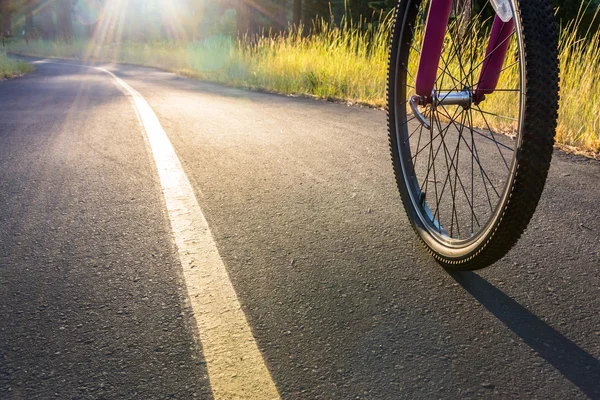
point(495, 141)
point(449, 168)
point(469, 28)
point(479, 163)
point(413, 132)
point(487, 65)
point(486, 137)
point(507, 90)
point(475, 154)
point(408, 120)
point(480, 63)
point(499, 72)
point(437, 205)
point(414, 158)
point(458, 199)
point(409, 74)
point(456, 175)
point(424, 147)
point(437, 151)
point(493, 51)
point(461, 183)
point(447, 68)
point(472, 181)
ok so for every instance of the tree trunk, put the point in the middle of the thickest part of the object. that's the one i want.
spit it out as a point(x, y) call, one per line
point(466, 12)
point(89, 30)
point(297, 12)
point(282, 15)
point(5, 25)
point(65, 24)
point(247, 24)
point(29, 24)
point(314, 10)
point(26, 9)
point(243, 18)
point(47, 27)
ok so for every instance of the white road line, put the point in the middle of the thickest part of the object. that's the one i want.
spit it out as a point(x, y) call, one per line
point(236, 368)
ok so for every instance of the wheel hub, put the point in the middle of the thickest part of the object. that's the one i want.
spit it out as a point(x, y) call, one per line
point(463, 98)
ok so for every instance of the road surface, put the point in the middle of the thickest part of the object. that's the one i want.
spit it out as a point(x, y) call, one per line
point(338, 299)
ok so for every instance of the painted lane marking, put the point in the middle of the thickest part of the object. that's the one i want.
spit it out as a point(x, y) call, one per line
point(235, 365)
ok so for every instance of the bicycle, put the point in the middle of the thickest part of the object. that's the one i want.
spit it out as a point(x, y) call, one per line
point(471, 126)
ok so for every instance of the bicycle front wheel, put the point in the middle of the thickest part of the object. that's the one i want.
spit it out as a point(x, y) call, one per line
point(471, 164)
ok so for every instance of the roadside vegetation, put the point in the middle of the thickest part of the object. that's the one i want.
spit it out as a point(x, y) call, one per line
point(343, 60)
point(10, 68)
point(579, 112)
point(339, 62)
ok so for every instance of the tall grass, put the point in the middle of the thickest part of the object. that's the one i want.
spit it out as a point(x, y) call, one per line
point(579, 112)
point(343, 61)
point(10, 68)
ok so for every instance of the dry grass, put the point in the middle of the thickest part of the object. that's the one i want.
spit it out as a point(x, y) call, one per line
point(579, 112)
point(10, 68)
point(341, 62)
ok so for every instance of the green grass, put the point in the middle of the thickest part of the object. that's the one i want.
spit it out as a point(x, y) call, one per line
point(339, 62)
point(10, 68)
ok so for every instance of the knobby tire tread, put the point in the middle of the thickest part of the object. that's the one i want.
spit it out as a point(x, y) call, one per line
point(540, 41)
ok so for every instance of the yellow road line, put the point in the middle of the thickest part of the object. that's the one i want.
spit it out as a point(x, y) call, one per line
point(236, 368)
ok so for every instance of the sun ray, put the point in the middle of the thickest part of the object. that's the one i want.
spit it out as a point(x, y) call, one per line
point(108, 29)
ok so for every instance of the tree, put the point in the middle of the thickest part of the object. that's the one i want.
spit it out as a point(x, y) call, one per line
point(257, 17)
point(361, 9)
point(282, 14)
point(315, 9)
point(297, 12)
point(5, 25)
point(27, 10)
point(46, 20)
point(466, 11)
point(63, 19)
point(243, 18)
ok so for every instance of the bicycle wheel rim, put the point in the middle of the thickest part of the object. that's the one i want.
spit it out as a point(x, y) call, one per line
point(426, 219)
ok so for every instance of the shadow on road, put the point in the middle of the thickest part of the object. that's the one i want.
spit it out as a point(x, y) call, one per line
point(572, 361)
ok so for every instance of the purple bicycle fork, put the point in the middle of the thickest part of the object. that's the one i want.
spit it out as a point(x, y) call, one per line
point(433, 41)
point(431, 51)
point(494, 58)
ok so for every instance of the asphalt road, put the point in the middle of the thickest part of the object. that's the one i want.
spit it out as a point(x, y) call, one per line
point(301, 201)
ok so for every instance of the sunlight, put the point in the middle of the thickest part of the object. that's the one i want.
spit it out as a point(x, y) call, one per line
point(109, 27)
point(173, 18)
point(116, 22)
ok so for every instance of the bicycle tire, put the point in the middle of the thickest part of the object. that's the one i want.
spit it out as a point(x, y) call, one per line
point(537, 41)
